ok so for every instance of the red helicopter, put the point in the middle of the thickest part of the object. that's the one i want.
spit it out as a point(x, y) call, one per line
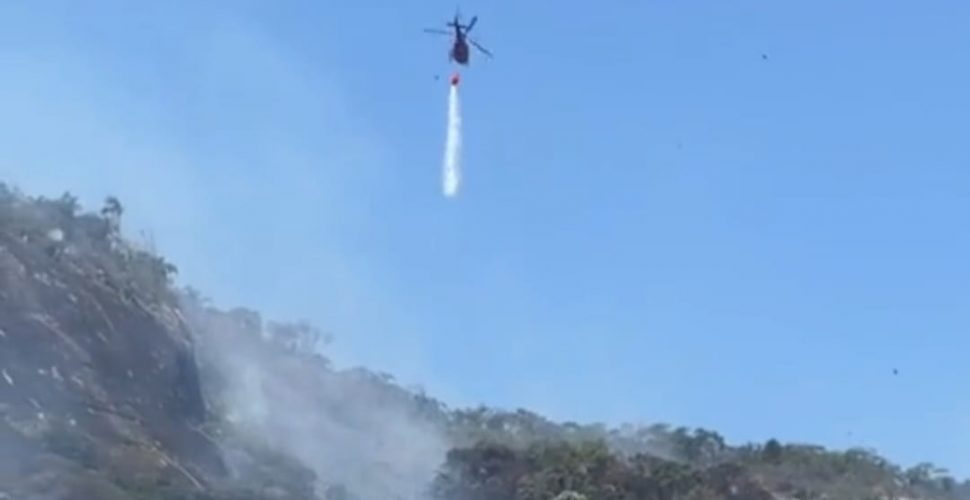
point(459, 49)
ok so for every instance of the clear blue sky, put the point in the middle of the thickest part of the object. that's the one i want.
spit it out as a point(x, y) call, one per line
point(655, 224)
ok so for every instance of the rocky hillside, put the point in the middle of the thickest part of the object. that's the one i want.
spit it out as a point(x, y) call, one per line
point(100, 392)
point(114, 385)
point(99, 387)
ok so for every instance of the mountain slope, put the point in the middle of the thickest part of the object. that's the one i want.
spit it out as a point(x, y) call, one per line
point(100, 394)
point(97, 368)
point(114, 384)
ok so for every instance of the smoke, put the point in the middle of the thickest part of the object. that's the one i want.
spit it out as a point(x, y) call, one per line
point(451, 174)
point(351, 428)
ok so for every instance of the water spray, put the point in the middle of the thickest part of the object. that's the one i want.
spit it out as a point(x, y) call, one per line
point(451, 174)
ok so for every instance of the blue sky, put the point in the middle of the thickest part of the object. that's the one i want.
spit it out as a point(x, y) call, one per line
point(655, 224)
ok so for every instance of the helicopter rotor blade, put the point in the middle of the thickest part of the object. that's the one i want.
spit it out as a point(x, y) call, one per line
point(479, 47)
point(437, 31)
point(471, 24)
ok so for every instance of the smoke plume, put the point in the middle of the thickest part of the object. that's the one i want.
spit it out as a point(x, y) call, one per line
point(350, 428)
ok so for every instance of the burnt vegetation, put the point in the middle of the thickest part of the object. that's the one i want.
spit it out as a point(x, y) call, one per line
point(108, 390)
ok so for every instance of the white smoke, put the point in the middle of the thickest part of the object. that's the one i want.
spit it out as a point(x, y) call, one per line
point(451, 174)
point(347, 426)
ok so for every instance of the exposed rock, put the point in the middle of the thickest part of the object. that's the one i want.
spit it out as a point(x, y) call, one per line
point(92, 379)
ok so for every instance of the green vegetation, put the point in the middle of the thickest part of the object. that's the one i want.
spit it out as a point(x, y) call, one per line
point(494, 455)
point(519, 455)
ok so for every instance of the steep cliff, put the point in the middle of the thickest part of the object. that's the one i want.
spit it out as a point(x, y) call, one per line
point(100, 394)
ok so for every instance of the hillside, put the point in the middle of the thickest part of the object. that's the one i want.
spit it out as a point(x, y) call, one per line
point(115, 384)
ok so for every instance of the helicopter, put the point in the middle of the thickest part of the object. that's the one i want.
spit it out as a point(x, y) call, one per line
point(459, 50)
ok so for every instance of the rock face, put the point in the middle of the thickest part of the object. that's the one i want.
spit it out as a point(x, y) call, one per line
point(101, 398)
point(99, 391)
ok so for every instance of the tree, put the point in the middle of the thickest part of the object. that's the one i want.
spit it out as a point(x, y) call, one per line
point(920, 474)
point(112, 207)
point(300, 337)
point(112, 211)
point(772, 451)
point(68, 205)
point(704, 447)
